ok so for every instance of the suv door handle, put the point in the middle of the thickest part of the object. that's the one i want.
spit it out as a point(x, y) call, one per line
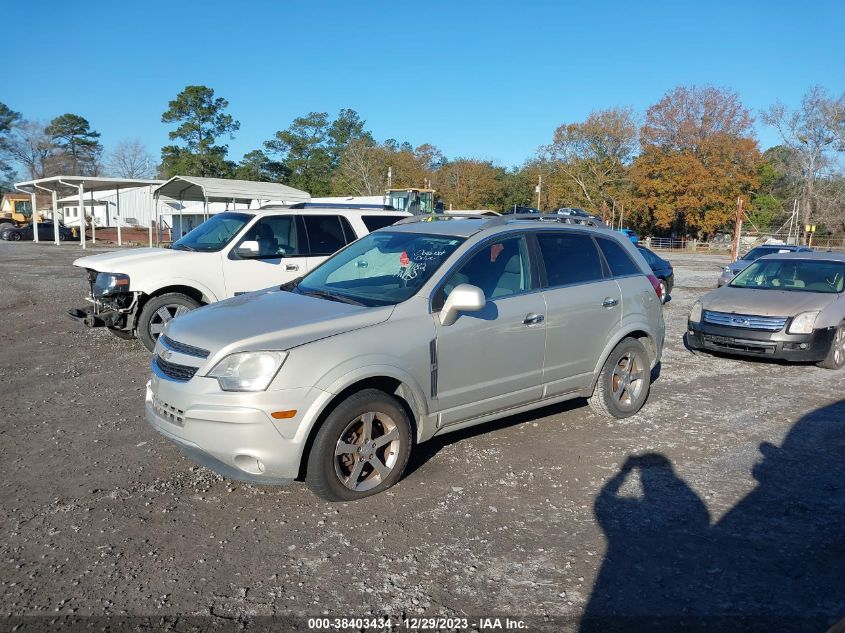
point(533, 319)
point(291, 266)
point(609, 302)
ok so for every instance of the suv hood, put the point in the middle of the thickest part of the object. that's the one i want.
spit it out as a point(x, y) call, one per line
point(126, 261)
point(778, 303)
point(270, 320)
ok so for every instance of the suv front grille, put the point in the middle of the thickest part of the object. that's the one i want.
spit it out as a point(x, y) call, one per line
point(179, 373)
point(745, 321)
point(183, 348)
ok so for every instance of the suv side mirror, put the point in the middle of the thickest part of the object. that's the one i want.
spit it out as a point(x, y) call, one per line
point(463, 298)
point(248, 249)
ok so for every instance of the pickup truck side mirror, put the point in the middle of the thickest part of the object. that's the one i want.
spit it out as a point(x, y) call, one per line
point(463, 298)
point(248, 249)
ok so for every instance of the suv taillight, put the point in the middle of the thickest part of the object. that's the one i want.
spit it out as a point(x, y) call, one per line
point(658, 289)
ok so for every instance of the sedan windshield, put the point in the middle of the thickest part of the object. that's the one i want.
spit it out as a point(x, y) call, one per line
point(214, 233)
point(756, 253)
point(383, 268)
point(798, 275)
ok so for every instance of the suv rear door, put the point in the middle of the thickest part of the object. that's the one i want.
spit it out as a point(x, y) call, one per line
point(325, 234)
point(584, 308)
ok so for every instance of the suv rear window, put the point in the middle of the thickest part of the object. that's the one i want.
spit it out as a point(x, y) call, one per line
point(618, 260)
point(327, 233)
point(570, 258)
point(376, 222)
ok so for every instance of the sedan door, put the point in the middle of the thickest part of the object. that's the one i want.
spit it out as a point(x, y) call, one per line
point(280, 257)
point(491, 360)
point(584, 309)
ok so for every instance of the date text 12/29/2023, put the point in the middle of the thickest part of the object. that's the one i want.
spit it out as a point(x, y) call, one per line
point(416, 623)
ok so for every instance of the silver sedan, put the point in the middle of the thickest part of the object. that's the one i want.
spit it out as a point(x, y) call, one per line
point(788, 306)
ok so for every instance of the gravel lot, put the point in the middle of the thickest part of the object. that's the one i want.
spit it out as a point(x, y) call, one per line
point(541, 516)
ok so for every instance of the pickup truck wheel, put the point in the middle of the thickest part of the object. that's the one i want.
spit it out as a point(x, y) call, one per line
point(624, 381)
point(835, 358)
point(361, 449)
point(158, 311)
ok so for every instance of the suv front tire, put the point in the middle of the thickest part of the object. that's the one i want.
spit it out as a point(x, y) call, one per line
point(361, 449)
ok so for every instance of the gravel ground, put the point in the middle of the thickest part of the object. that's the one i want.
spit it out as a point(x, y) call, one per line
point(677, 512)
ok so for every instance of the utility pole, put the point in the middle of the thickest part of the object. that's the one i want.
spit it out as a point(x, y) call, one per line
point(389, 177)
point(737, 231)
point(539, 190)
point(621, 215)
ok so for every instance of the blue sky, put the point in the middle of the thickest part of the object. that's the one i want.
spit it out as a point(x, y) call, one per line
point(490, 80)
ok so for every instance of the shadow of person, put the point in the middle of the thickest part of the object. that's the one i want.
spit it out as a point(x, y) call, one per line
point(774, 562)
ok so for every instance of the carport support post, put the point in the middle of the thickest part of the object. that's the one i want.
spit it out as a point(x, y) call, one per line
point(82, 215)
point(34, 217)
point(119, 238)
point(55, 217)
point(93, 220)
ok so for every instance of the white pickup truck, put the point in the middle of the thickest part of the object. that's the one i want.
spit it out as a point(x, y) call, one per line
point(136, 292)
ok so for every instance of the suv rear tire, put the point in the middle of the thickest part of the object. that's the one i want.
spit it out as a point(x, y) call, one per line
point(158, 311)
point(624, 381)
point(361, 449)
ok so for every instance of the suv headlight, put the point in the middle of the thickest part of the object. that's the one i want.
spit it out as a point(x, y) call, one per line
point(248, 371)
point(108, 284)
point(695, 312)
point(803, 323)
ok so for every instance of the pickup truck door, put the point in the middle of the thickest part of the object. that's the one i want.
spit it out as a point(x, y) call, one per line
point(280, 257)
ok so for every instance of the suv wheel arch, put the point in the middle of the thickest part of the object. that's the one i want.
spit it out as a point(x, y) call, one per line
point(641, 335)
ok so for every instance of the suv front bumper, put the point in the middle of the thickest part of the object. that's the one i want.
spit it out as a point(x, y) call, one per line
point(777, 345)
point(231, 433)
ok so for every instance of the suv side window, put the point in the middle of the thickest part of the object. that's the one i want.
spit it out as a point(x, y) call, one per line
point(327, 233)
point(618, 260)
point(500, 269)
point(276, 236)
point(376, 222)
point(569, 258)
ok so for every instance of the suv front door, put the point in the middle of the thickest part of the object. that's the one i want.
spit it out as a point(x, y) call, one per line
point(491, 360)
point(280, 256)
point(584, 308)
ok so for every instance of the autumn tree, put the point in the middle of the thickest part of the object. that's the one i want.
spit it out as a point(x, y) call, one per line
point(467, 183)
point(75, 145)
point(812, 133)
point(364, 166)
point(698, 155)
point(201, 119)
point(130, 159)
point(593, 156)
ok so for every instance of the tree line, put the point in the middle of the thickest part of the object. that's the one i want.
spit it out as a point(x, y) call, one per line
point(677, 168)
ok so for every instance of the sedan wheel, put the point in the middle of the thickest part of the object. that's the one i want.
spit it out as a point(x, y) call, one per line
point(664, 291)
point(15, 237)
point(835, 358)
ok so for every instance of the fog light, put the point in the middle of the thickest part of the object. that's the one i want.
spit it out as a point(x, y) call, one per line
point(249, 464)
point(803, 346)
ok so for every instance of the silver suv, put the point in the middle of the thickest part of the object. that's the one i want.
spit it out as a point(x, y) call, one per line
point(428, 326)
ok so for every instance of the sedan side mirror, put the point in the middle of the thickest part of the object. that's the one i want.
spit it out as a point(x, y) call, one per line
point(248, 249)
point(463, 298)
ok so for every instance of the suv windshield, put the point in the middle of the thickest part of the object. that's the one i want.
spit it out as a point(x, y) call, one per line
point(214, 233)
point(383, 268)
point(798, 275)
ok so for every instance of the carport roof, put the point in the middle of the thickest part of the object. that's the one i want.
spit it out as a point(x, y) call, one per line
point(226, 190)
point(89, 183)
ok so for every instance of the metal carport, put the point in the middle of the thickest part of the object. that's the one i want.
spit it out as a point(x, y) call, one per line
point(205, 190)
point(68, 184)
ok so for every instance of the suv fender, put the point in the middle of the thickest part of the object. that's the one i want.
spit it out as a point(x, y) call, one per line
point(639, 331)
point(342, 377)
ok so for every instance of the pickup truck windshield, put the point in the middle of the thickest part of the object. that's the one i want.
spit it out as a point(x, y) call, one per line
point(797, 275)
point(214, 233)
point(383, 268)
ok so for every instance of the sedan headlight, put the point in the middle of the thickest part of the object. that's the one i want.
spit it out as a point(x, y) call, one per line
point(728, 270)
point(248, 371)
point(695, 313)
point(803, 323)
point(108, 284)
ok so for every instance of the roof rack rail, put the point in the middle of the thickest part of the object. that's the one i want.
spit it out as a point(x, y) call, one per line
point(554, 217)
point(431, 217)
point(501, 220)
